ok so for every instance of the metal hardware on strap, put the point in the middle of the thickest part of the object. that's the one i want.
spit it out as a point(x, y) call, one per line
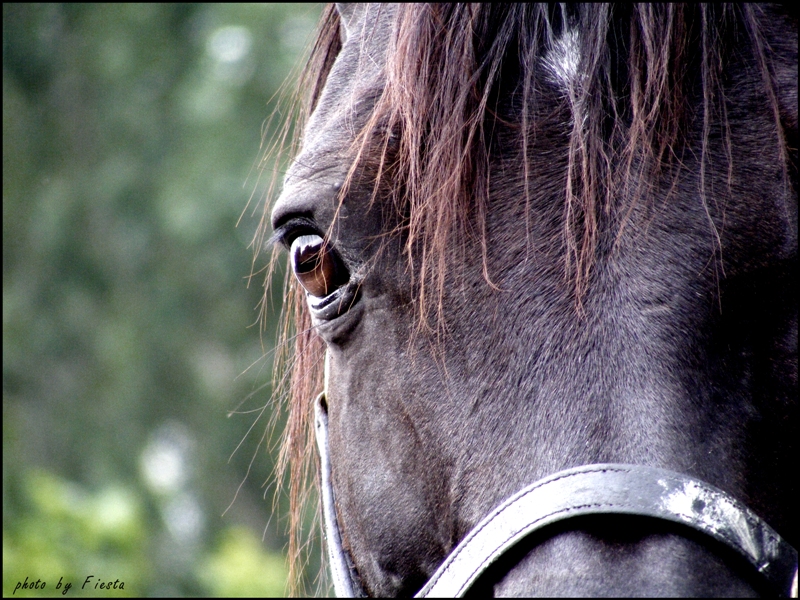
point(617, 489)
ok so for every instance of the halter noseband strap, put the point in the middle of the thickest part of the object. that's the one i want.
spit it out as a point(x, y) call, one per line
point(586, 490)
point(343, 571)
point(617, 489)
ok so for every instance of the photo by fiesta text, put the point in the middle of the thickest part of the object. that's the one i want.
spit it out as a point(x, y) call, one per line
point(91, 580)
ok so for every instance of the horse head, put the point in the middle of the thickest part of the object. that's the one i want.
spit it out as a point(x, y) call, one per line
point(535, 238)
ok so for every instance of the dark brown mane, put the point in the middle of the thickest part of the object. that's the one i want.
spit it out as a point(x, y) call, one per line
point(447, 74)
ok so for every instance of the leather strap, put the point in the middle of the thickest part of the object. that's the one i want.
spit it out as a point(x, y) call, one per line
point(586, 490)
point(617, 489)
point(343, 571)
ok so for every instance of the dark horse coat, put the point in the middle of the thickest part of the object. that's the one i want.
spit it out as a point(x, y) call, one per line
point(537, 237)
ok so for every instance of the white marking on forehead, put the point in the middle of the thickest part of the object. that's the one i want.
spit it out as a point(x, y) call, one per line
point(562, 59)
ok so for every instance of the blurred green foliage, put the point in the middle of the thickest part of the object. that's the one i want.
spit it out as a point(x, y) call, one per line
point(131, 143)
point(66, 534)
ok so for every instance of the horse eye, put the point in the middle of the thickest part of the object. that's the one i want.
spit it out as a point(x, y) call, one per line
point(318, 269)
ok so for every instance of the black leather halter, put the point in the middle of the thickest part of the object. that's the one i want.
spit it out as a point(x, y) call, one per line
point(586, 490)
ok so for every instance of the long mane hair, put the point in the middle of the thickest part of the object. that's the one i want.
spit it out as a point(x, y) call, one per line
point(449, 67)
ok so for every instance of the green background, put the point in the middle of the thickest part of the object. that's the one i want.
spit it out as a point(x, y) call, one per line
point(132, 140)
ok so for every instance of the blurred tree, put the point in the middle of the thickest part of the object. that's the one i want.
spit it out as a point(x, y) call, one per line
point(131, 141)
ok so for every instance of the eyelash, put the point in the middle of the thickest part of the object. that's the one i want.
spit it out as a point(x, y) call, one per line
point(286, 233)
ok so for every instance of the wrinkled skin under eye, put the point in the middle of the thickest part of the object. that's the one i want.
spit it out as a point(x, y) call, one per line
point(317, 267)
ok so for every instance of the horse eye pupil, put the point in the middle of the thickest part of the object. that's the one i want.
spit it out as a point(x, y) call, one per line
point(316, 266)
point(307, 258)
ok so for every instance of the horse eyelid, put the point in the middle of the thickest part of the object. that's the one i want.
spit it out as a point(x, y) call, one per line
point(285, 233)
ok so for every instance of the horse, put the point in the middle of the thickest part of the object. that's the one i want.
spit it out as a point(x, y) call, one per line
point(548, 248)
